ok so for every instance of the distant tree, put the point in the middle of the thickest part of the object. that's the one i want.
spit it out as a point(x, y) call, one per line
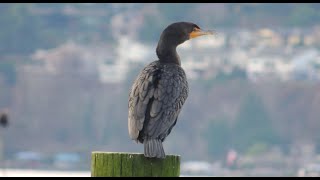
point(218, 138)
point(8, 71)
point(303, 15)
point(87, 119)
point(151, 29)
point(176, 11)
point(253, 125)
point(20, 31)
point(222, 78)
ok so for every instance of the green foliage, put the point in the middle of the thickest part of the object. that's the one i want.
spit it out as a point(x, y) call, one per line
point(222, 78)
point(8, 70)
point(176, 11)
point(151, 29)
point(218, 137)
point(253, 125)
point(24, 29)
point(236, 73)
point(21, 31)
point(87, 119)
point(257, 149)
point(303, 15)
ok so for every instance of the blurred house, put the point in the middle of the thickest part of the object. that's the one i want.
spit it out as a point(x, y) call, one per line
point(66, 160)
point(29, 159)
point(196, 168)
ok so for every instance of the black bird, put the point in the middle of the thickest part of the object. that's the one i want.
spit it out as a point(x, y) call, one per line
point(160, 90)
point(4, 120)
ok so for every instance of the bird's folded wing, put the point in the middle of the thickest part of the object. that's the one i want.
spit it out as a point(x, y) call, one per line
point(156, 98)
point(141, 92)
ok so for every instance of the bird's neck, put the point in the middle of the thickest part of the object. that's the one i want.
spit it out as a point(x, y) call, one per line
point(168, 53)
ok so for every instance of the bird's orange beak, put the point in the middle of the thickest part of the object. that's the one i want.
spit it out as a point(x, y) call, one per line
point(198, 32)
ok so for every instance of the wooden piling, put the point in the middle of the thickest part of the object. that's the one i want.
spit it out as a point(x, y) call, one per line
point(120, 164)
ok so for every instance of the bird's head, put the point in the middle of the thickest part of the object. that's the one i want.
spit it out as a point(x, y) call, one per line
point(179, 32)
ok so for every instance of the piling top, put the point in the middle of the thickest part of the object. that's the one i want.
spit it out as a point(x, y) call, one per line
point(123, 153)
point(125, 164)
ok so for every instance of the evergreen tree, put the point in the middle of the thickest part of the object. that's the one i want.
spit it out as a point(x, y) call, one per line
point(253, 125)
point(218, 138)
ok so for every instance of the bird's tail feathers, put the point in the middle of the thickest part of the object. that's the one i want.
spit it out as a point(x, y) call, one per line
point(153, 148)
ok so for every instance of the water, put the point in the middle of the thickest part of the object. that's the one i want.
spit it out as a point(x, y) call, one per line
point(42, 173)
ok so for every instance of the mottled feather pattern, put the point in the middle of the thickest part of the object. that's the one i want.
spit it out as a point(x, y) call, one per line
point(164, 88)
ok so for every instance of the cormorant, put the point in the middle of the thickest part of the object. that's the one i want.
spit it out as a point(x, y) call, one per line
point(160, 90)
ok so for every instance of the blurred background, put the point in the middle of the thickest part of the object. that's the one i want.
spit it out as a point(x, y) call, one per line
point(253, 108)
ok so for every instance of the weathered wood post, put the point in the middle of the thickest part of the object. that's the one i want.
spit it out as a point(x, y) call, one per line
point(116, 164)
